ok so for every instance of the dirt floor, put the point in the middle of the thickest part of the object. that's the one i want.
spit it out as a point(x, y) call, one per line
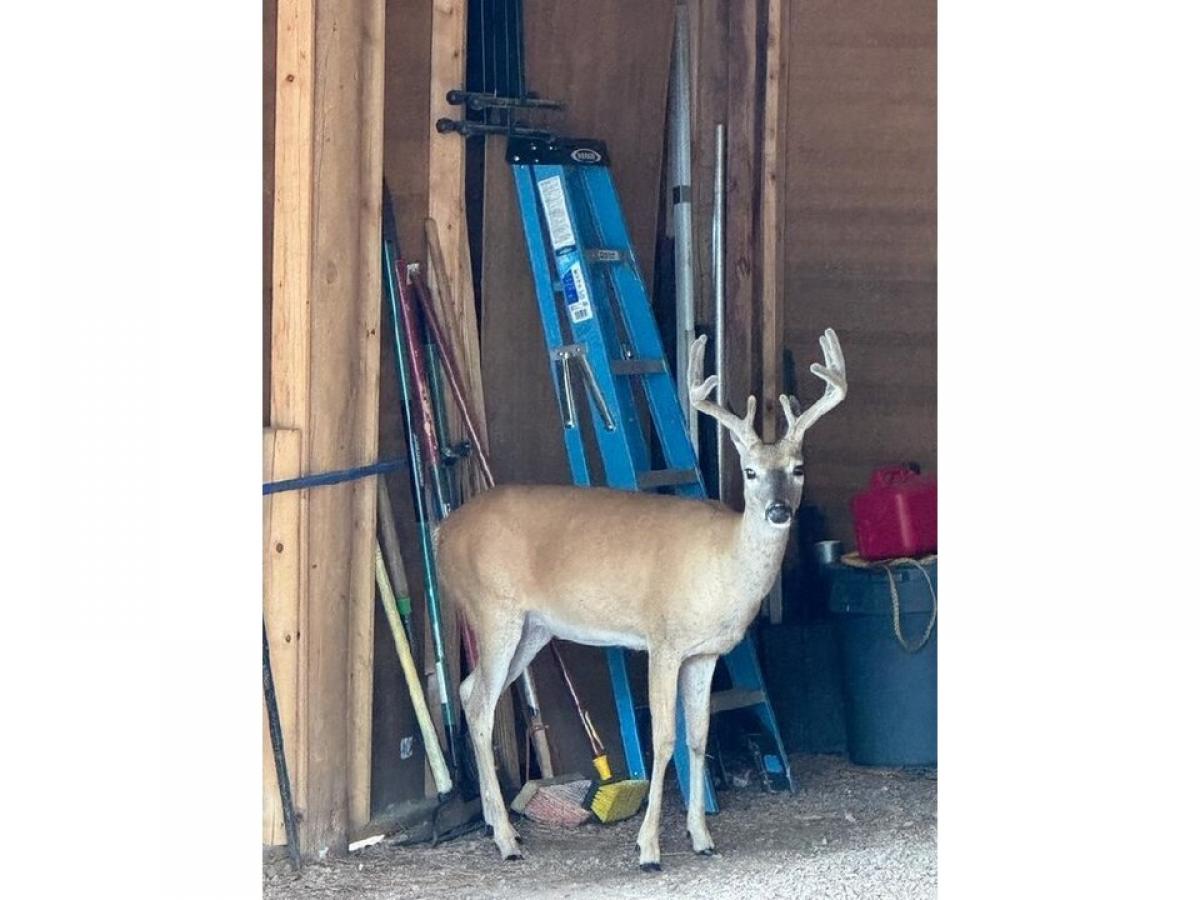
point(846, 832)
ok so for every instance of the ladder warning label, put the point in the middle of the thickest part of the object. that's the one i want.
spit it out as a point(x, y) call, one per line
point(554, 202)
point(579, 303)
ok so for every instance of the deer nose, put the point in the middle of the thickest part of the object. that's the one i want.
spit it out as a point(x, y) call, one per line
point(779, 513)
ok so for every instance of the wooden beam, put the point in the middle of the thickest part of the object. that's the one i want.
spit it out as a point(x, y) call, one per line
point(281, 612)
point(771, 225)
point(710, 64)
point(270, 13)
point(367, 205)
point(291, 273)
point(447, 207)
point(325, 372)
point(741, 180)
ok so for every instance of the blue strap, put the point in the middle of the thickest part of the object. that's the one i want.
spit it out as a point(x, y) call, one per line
point(295, 484)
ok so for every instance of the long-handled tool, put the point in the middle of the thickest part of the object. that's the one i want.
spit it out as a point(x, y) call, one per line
point(393, 607)
point(393, 288)
point(281, 772)
point(537, 727)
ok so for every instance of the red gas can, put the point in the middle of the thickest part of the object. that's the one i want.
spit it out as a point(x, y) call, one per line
point(897, 514)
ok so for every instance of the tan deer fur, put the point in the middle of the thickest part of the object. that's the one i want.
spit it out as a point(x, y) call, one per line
point(679, 578)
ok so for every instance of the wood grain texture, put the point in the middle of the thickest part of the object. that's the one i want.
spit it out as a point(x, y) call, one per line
point(610, 61)
point(742, 338)
point(324, 366)
point(369, 70)
point(710, 61)
point(771, 212)
point(281, 612)
point(861, 214)
point(270, 13)
point(291, 276)
point(522, 413)
point(447, 207)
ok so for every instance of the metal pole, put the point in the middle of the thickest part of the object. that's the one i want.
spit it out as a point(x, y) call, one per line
point(281, 772)
point(681, 199)
point(391, 280)
point(718, 270)
point(457, 389)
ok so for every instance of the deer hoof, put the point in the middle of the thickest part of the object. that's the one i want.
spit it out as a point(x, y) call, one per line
point(513, 856)
point(707, 851)
point(650, 867)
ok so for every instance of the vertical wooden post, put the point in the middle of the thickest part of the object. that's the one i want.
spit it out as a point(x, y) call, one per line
point(742, 100)
point(369, 67)
point(771, 227)
point(325, 377)
point(448, 209)
point(448, 270)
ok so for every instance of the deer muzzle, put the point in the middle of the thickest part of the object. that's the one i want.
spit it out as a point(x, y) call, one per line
point(779, 513)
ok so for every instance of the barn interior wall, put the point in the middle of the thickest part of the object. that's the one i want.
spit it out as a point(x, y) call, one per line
point(860, 255)
point(861, 235)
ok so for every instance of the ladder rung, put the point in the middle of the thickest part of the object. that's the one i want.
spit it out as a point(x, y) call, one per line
point(657, 478)
point(638, 366)
point(723, 701)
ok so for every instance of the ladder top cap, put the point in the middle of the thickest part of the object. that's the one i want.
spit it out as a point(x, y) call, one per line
point(524, 151)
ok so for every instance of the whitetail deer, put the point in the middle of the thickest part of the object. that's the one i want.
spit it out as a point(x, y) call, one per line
point(679, 578)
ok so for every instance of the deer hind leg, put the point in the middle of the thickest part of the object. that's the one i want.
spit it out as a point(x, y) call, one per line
point(498, 636)
point(695, 686)
point(664, 680)
point(533, 638)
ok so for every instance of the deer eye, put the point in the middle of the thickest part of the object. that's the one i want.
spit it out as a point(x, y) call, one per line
point(751, 474)
point(798, 470)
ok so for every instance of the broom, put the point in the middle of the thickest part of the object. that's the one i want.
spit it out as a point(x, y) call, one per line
point(608, 799)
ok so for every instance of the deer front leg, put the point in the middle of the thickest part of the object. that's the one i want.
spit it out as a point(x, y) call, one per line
point(664, 679)
point(695, 684)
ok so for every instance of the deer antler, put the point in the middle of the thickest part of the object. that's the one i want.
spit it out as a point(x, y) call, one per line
point(740, 428)
point(834, 375)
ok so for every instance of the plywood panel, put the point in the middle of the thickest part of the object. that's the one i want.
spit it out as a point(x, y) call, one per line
point(609, 60)
point(406, 117)
point(862, 235)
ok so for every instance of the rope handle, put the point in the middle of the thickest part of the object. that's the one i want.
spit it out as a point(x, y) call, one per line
point(887, 567)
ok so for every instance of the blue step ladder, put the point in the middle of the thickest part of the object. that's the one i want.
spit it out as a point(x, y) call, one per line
point(587, 281)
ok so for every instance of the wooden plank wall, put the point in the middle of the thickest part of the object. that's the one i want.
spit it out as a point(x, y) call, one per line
point(861, 236)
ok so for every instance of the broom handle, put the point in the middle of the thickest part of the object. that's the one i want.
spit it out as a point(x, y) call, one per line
point(589, 729)
point(433, 750)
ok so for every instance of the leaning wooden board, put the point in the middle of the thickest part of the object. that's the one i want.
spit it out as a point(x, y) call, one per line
point(570, 54)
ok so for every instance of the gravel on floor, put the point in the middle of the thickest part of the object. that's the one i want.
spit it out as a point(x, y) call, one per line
point(848, 831)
